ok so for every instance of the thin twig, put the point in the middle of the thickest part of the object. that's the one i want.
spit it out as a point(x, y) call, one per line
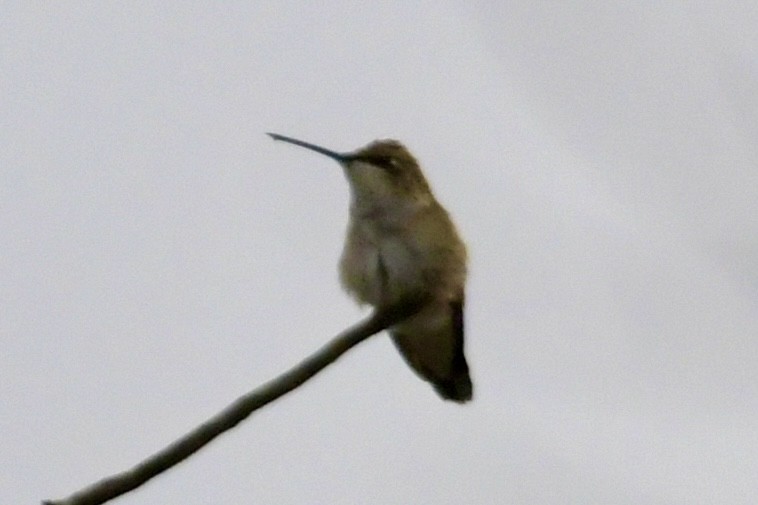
point(121, 483)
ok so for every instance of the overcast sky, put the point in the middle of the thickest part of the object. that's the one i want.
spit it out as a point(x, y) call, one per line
point(161, 256)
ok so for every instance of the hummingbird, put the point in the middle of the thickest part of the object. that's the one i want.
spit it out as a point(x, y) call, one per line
point(402, 245)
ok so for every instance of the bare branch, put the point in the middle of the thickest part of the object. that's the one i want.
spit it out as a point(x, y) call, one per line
point(121, 483)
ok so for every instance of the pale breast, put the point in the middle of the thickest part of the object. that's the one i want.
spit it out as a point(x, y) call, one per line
point(379, 267)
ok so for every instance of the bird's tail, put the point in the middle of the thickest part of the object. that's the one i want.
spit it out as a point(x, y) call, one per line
point(457, 387)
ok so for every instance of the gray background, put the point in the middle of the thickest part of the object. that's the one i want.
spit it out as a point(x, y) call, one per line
point(161, 256)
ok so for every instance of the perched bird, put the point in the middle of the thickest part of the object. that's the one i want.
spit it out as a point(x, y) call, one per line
point(402, 245)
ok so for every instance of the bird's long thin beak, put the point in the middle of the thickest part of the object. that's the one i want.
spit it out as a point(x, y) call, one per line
point(340, 157)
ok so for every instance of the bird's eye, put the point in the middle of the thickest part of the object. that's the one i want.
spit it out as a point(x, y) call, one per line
point(387, 162)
